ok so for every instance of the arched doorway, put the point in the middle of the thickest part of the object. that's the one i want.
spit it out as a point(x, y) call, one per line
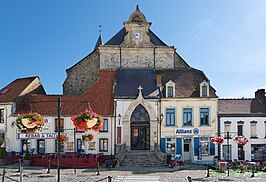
point(140, 129)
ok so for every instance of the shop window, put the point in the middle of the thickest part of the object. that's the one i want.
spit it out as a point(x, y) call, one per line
point(2, 118)
point(227, 150)
point(105, 126)
point(24, 145)
point(204, 116)
point(41, 146)
point(103, 145)
point(170, 117)
point(258, 152)
point(80, 146)
point(205, 146)
point(170, 147)
point(187, 117)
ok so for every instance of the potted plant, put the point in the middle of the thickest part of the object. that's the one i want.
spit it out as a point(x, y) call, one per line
point(217, 140)
point(63, 138)
point(87, 137)
point(30, 122)
point(241, 140)
point(27, 158)
point(87, 120)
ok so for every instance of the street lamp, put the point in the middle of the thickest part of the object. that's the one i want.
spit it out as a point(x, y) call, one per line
point(119, 118)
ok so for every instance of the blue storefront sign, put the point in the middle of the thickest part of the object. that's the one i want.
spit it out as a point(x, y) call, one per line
point(187, 131)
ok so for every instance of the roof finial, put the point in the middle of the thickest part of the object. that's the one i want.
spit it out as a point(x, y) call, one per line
point(100, 29)
point(140, 90)
point(137, 8)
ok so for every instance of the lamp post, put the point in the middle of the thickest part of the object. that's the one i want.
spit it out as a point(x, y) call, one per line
point(119, 118)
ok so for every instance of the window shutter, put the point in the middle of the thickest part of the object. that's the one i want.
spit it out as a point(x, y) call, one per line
point(163, 145)
point(196, 146)
point(178, 146)
point(212, 148)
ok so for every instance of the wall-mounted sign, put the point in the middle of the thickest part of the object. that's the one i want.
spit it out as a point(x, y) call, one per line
point(37, 136)
point(187, 131)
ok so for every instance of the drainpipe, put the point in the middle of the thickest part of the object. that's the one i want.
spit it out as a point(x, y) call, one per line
point(115, 107)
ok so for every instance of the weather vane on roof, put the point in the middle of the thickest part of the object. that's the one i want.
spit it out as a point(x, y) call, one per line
point(100, 29)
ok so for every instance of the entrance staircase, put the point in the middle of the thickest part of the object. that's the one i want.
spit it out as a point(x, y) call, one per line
point(141, 158)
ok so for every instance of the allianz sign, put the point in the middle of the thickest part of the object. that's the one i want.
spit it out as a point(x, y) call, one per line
point(187, 131)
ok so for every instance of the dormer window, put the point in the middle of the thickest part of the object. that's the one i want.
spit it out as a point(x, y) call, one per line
point(170, 89)
point(204, 89)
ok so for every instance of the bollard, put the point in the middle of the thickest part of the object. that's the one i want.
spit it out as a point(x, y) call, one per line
point(109, 179)
point(49, 167)
point(208, 170)
point(21, 175)
point(227, 171)
point(98, 172)
point(253, 171)
point(4, 173)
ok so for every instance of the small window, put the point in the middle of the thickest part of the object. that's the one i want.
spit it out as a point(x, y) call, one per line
point(186, 147)
point(80, 146)
point(240, 130)
point(103, 145)
point(105, 126)
point(187, 116)
point(204, 116)
point(253, 128)
point(204, 91)
point(170, 117)
point(2, 118)
point(61, 124)
point(170, 91)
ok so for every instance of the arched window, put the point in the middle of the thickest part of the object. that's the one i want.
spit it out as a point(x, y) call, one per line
point(140, 114)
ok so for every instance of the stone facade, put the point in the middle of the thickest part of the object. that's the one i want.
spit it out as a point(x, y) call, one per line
point(82, 75)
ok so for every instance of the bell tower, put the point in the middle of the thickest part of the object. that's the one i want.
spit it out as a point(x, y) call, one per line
point(137, 29)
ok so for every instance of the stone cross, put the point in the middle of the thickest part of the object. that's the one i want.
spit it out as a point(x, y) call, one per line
point(140, 90)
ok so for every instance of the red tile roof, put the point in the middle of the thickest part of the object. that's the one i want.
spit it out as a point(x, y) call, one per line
point(10, 92)
point(98, 98)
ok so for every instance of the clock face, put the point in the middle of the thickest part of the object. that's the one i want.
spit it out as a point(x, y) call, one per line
point(136, 35)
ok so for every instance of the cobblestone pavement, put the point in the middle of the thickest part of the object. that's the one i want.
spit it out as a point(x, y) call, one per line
point(122, 174)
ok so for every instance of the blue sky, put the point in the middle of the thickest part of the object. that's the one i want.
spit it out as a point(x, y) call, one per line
point(225, 39)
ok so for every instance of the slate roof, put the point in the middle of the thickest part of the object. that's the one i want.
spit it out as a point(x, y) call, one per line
point(240, 106)
point(10, 92)
point(99, 98)
point(118, 38)
point(128, 81)
point(186, 81)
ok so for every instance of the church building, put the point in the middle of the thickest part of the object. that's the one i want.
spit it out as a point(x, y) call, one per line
point(157, 95)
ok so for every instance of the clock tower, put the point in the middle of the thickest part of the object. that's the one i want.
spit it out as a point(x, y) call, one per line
point(137, 29)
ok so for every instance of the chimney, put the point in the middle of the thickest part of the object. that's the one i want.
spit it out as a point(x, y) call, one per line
point(260, 95)
point(159, 80)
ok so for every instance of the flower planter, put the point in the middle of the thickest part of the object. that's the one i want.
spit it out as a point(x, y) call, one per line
point(26, 162)
point(241, 140)
point(217, 140)
point(87, 120)
point(30, 123)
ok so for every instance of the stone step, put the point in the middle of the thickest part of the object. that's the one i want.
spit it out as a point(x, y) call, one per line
point(137, 178)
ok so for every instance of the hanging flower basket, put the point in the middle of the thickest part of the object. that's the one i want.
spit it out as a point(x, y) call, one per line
point(88, 120)
point(241, 140)
point(87, 137)
point(30, 122)
point(217, 140)
point(62, 138)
